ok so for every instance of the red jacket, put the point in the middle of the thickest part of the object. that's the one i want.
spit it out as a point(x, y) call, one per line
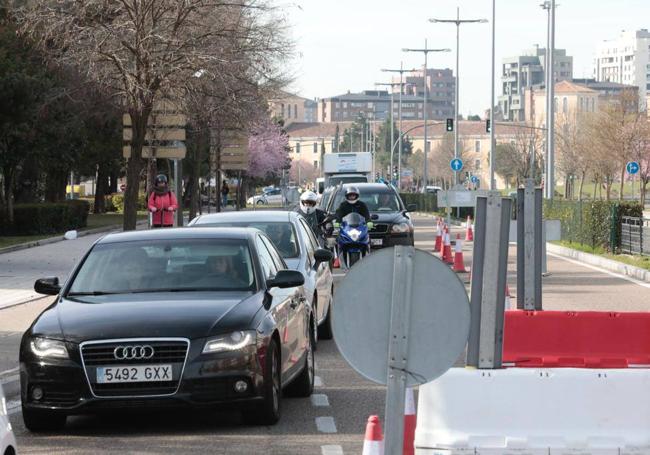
point(160, 205)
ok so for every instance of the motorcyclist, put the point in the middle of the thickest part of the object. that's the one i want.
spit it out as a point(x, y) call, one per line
point(352, 204)
point(315, 217)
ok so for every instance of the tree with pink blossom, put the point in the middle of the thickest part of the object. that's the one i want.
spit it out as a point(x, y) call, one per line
point(268, 150)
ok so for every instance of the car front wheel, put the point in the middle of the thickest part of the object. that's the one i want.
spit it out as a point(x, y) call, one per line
point(268, 412)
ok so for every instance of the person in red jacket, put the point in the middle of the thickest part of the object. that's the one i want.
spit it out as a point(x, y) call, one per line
point(162, 204)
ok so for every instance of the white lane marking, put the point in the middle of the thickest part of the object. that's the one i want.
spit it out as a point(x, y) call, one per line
point(318, 382)
point(319, 399)
point(326, 424)
point(13, 407)
point(8, 372)
point(331, 450)
point(338, 275)
point(598, 269)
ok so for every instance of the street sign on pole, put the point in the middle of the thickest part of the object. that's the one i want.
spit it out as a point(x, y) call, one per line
point(416, 321)
point(456, 164)
point(632, 167)
point(234, 151)
point(474, 179)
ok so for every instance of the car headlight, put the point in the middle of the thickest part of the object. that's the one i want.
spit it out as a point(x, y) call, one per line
point(233, 342)
point(44, 347)
point(401, 228)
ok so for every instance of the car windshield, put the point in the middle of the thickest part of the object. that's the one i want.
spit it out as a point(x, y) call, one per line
point(165, 266)
point(377, 201)
point(282, 234)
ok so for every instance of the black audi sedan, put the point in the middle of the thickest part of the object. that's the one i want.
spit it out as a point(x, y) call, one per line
point(169, 318)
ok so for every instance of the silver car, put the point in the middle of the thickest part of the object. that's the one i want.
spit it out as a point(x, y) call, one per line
point(7, 439)
point(298, 246)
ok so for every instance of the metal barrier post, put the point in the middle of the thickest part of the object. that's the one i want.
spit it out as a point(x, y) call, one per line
point(485, 348)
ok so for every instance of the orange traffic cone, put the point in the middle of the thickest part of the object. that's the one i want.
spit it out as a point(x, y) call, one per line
point(438, 240)
point(469, 233)
point(459, 262)
point(410, 421)
point(507, 302)
point(373, 442)
point(446, 253)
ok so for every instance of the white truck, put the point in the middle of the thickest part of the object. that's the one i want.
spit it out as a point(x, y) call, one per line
point(346, 168)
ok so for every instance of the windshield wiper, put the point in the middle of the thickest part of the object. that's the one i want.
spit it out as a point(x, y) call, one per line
point(79, 294)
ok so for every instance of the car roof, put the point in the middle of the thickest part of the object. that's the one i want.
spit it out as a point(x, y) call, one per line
point(268, 216)
point(181, 233)
point(374, 187)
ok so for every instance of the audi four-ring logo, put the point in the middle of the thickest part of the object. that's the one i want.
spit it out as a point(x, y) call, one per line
point(133, 352)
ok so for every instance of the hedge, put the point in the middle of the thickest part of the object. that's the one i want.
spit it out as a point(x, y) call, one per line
point(46, 218)
point(592, 223)
point(117, 201)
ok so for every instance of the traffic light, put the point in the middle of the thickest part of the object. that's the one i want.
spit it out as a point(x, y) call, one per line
point(450, 124)
point(315, 147)
point(488, 126)
point(297, 147)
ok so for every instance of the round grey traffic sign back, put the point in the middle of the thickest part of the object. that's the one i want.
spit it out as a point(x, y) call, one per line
point(436, 317)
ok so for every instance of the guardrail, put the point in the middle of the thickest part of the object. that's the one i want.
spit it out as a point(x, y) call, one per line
point(635, 235)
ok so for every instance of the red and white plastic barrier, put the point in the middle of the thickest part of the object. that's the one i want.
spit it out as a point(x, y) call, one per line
point(586, 339)
point(535, 411)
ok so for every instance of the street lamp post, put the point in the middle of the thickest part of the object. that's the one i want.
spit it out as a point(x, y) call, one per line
point(458, 22)
point(549, 184)
point(426, 51)
point(401, 72)
point(492, 100)
point(392, 121)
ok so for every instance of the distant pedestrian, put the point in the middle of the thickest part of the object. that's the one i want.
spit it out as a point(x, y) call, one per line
point(162, 204)
point(224, 194)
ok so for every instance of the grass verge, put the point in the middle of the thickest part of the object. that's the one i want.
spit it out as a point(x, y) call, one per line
point(642, 262)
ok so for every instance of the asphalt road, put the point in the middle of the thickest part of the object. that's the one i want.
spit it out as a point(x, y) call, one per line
point(332, 422)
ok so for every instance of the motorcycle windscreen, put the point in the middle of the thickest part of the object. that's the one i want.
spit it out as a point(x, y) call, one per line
point(354, 220)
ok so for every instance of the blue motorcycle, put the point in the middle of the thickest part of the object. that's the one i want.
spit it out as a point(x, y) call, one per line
point(353, 241)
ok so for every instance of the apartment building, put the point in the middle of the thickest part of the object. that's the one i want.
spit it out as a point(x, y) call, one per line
point(293, 108)
point(441, 90)
point(526, 71)
point(626, 60)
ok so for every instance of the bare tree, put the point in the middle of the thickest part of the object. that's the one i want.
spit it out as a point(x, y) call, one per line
point(574, 149)
point(139, 50)
point(521, 158)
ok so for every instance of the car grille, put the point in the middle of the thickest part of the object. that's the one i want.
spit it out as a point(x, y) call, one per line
point(96, 354)
point(379, 229)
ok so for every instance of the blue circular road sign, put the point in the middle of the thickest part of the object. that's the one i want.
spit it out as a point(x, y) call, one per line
point(632, 167)
point(474, 179)
point(456, 164)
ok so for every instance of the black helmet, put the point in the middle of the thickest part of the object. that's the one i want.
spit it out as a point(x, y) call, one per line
point(162, 178)
point(350, 191)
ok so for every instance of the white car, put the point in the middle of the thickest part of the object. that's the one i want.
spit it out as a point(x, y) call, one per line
point(269, 196)
point(7, 439)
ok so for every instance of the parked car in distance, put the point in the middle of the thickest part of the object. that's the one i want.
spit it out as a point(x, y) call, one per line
point(269, 196)
point(165, 318)
point(299, 248)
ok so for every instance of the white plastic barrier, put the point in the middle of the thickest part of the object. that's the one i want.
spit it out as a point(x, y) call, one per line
point(525, 411)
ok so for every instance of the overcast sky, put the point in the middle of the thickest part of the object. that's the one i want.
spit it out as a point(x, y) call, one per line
point(342, 44)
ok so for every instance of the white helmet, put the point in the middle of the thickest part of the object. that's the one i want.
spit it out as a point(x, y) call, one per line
point(308, 201)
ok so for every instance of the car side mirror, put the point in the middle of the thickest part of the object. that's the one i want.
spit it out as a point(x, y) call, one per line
point(374, 217)
point(322, 255)
point(411, 207)
point(47, 286)
point(286, 279)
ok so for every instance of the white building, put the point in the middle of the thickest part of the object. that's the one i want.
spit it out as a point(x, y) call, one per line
point(626, 60)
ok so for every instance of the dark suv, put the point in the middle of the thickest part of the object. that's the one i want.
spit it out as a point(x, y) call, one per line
point(393, 226)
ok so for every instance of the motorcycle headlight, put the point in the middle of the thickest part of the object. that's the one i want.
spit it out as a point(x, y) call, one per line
point(229, 343)
point(44, 347)
point(401, 228)
point(355, 234)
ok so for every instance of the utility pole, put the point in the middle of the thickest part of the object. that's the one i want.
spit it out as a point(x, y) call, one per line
point(458, 22)
point(401, 72)
point(392, 120)
point(425, 78)
point(549, 184)
point(492, 100)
